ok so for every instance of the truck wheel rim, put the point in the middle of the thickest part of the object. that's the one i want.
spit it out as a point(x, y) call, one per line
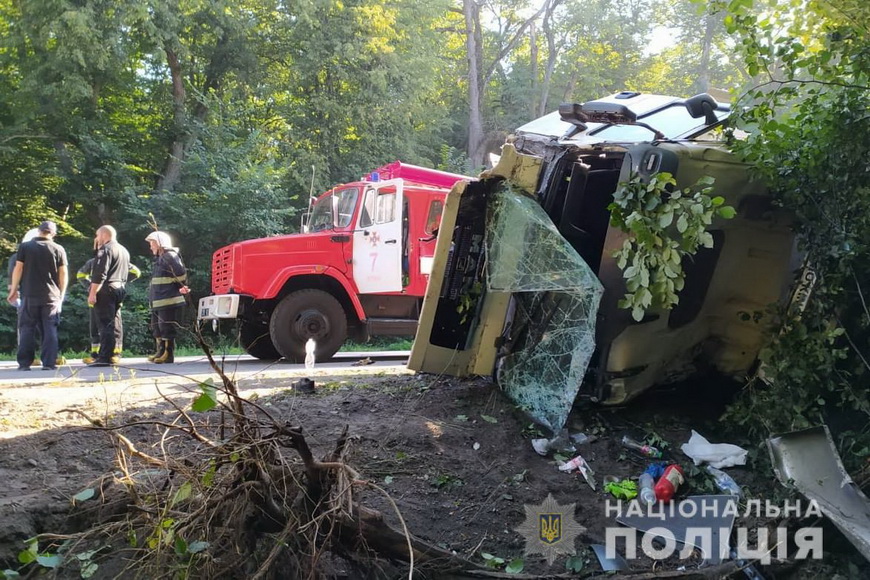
point(311, 324)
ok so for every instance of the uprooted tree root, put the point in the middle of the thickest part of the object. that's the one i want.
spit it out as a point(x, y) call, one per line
point(249, 501)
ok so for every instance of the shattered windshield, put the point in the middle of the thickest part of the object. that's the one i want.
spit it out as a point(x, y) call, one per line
point(334, 210)
point(552, 332)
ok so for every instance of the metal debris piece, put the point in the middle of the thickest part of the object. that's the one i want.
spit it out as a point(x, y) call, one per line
point(609, 564)
point(808, 461)
point(710, 512)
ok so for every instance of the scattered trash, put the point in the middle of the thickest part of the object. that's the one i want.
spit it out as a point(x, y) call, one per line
point(561, 442)
point(580, 464)
point(624, 489)
point(645, 450)
point(609, 564)
point(809, 461)
point(669, 482)
point(476, 446)
point(363, 361)
point(581, 438)
point(724, 481)
point(709, 512)
point(305, 385)
point(746, 566)
point(718, 455)
point(647, 493)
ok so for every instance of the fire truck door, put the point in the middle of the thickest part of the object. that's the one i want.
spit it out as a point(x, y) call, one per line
point(377, 239)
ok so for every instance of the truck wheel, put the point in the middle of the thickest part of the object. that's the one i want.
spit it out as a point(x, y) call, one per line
point(308, 314)
point(257, 341)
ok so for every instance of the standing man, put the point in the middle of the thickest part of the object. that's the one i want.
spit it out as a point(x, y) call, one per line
point(107, 292)
point(168, 287)
point(39, 280)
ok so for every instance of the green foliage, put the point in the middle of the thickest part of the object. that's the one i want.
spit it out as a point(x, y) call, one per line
point(208, 399)
point(809, 138)
point(575, 563)
point(665, 226)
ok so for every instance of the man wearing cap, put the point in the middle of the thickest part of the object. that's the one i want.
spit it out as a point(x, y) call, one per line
point(39, 281)
point(168, 287)
point(108, 290)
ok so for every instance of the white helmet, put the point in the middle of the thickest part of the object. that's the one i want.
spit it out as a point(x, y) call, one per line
point(162, 238)
point(30, 235)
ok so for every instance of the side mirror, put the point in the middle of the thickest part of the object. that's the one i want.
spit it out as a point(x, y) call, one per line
point(303, 225)
point(702, 105)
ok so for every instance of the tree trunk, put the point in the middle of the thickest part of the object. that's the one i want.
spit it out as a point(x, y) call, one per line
point(703, 82)
point(533, 69)
point(549, 34)
point(171, 174)
point(471, 10)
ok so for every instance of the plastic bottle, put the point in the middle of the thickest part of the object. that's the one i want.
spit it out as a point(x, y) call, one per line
point(669, 482)
point(646, 494)
point(724, 481)
point(645, 450)
point(310, 346)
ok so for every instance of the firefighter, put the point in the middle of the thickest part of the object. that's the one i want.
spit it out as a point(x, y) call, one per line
point(84, 278)
point(167, 295)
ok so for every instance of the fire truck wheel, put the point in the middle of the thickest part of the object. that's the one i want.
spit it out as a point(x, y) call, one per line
point(308, 314)
point(257, 341)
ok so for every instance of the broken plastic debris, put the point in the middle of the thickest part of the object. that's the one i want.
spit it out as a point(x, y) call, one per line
point(580, 464)
point(718, 455)
point(581, 438)
point(561, 442)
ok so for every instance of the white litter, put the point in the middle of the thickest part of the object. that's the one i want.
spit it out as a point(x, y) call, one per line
point(718, 455)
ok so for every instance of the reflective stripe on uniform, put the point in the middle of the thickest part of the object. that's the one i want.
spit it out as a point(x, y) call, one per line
point(168, 280)
point(167, 301)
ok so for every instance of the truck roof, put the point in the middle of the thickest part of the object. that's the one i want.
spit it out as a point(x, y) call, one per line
point(415, 174)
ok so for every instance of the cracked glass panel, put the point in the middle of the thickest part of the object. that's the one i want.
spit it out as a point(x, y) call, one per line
point(550, 336)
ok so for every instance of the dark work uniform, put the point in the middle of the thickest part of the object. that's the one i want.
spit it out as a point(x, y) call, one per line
point(167, 302)
point(111, 267)
point(40, 300)
point(84, 277)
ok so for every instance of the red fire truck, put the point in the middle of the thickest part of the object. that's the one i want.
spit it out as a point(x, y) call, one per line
point(360, 267)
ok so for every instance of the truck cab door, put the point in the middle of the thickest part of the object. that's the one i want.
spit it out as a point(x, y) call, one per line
point(377, 239)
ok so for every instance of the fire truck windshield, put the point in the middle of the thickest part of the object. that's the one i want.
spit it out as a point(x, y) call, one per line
point(334, 210)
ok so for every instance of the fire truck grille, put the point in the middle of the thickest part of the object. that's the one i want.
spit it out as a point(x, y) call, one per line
point(222, 271)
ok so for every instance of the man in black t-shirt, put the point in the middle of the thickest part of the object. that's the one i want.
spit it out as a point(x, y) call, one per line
point(108, 281)
point(39, 279)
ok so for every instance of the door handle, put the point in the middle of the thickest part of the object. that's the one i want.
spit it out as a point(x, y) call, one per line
point(390, 242)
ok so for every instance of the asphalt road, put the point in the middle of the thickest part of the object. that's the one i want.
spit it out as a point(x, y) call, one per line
point(192, 366)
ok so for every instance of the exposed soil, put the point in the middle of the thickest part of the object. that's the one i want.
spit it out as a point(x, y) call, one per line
point(454, 454)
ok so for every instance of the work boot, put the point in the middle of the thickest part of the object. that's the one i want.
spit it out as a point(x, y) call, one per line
point(160, 348)
point(168, 355)
point(115, 359)
point(90, 357)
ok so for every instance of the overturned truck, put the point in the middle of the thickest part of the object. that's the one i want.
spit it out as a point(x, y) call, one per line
point(525, 285)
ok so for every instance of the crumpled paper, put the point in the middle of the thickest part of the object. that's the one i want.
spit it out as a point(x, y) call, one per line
point(718, 455)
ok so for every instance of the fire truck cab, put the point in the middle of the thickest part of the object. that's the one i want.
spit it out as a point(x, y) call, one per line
point(360, 267)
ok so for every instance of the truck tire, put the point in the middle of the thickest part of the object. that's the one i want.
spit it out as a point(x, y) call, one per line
point(308, 314)
point(257, 341)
